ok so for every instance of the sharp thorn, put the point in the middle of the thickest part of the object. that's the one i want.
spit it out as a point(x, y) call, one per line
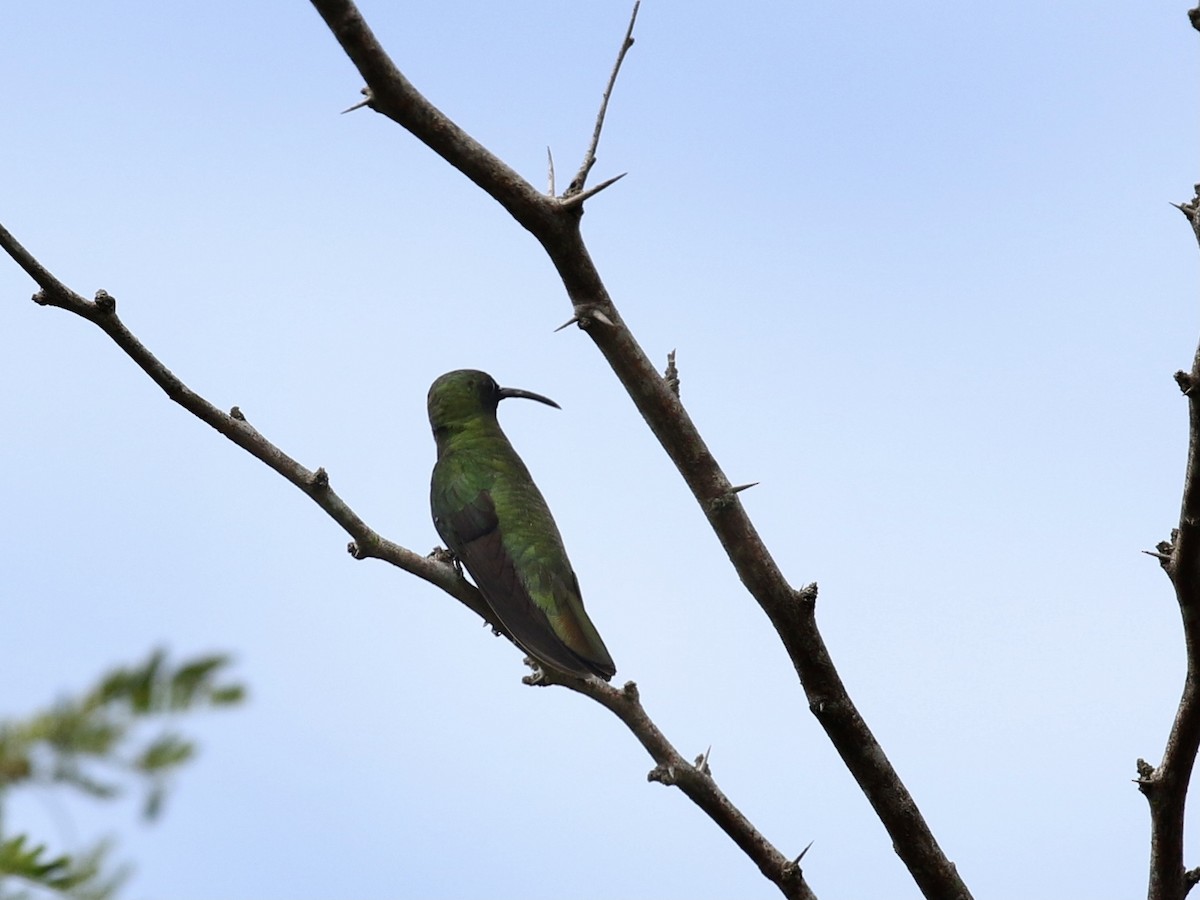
point(737, 489)
point(796, 861)
point(570, 321)
point(367, 98)
point(576, 199)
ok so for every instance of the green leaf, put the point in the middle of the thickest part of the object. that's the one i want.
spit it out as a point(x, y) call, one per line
point(164, 753)
point(15, 764)
point(194, 678)
point(230, 695)
point(143, 696)
point(67, 771)
point(31, 864)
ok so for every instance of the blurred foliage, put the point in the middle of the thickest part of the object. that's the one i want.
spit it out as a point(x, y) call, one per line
point(96, 743)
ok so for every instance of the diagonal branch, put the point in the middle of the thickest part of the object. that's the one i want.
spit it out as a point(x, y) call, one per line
point(792, 612)
point(367, 543)
point(1166, 787)
point(390, 93)
point(695, 782)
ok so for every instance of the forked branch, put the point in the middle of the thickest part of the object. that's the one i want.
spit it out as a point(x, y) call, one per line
point(698, 786)
point(555, 223)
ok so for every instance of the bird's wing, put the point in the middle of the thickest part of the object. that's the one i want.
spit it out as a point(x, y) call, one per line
point(473, 532)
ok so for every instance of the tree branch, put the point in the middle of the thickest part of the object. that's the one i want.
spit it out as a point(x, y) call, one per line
point(791, 611)
point(1166, 787)
point(390, 93)
point(695, 780)
point(367, 543)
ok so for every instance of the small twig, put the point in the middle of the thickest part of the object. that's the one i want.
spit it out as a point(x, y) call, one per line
point(589, 158)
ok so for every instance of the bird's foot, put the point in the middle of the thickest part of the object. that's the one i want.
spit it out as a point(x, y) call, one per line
point(537, 677)
point(447, 557)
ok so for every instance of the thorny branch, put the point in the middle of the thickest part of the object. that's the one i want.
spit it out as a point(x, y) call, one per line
point(696, 783)
point(102, 312)
point(555, 222)
point(1166, 786)
point(694, 779)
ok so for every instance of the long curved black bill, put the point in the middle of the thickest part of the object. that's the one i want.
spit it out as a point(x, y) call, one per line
point(505, 393)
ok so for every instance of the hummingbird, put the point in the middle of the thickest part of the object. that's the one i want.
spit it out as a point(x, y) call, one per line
point(496, 522)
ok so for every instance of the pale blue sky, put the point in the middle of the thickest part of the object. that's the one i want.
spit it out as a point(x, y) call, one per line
point(919, 267)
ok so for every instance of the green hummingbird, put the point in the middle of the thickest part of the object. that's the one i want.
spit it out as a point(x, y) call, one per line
point(492, 516)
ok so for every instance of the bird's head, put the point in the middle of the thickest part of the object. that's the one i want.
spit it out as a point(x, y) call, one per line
point(465, 394)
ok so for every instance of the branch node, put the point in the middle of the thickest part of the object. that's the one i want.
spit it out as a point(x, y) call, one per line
point(236, 413)
point(320, 478)
point(729, 498)
point(807, 595)
point(1164, 551)
point(671, 375)
point(1186, 382)
point(819, 706)
point(718, 504)
point(1194, 17)
point(1145, 771)
point(702, 762)
point(41, 299)
point(105, 302)
point(630, 690)
point(1192, 876)
point(663, 774)
point(585, 316)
